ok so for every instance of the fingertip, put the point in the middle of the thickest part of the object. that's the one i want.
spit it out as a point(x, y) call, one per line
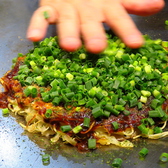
point(134, 41)
point(70, 44)
point(35, 35)
point(96, 45)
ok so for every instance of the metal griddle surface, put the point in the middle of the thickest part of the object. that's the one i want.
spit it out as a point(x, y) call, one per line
point(21, 150)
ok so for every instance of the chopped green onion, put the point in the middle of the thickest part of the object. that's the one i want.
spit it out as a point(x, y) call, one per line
point(48, 113)
point(156, 93)
point(86, 122)
point(148, 121)
point(46, 14)
point(110, 108)
point(106, 113)
point(139, 105)
point(77, 129)
point(158, 112)
point(82, 56)
point(143, 99)
point(106, 83)
point(30, 91)
point(99, 95)
point(145, 93)
point(46, 159)
point(56, 101)
point(92, 143)
point(126, 112)
point(65, 128)
point(157, 130)
point(88, 85)
point(97, 112)
point(5, 112)
point(164, 157)
point(143, 152)
point(143, 129)
point(155, 103)
point(133, 102)
point(116, 84)
point(115, 125)
point(69, 76)
point(117, 163)
point(119, 107)
point(166, 22)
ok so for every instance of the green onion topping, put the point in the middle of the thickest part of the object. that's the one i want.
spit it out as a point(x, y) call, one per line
point(92, 143)
point(143, 152)
point(164, 157)
point(117, 163)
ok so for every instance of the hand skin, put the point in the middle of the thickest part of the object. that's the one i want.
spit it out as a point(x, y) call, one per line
point(81, 21)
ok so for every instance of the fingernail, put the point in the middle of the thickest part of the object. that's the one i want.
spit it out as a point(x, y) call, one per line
point(135, 41)
point(70, 43)
point(33, 33)
point(96, 45)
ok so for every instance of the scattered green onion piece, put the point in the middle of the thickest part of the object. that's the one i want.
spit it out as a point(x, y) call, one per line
point(119, 107)
point(92, 143)
point(165, 43)
point(69, 76)
point(81, 102)
point(46, 14)
point(65, 128)
point(82, 56)
point(157, 130)
point(91, 103)
point(86, 122)
point(48, 113)
point(166, 22)
point(143, 129)
point(97, 112)
point(56, 101)
point(164, 157)
point(117, 163)
point(106, 113)
point(143, 152)
point(143, 99)
point(126, 112)
point(46, 159)
point(158, 112)
point(5, 112)
point(122, 102)
point(116, 84)
point(27, 91)
point(115, 125)
point(99, 95)
point(30, 91)
point(88, 85)
point(34, 92)
point(139, 105)
point(133, 102)
point(151, 121)
point(155, 103)
point(156, 93)
point(110, 108)
point(146, 93)
point(77, 129)
point(148, 121)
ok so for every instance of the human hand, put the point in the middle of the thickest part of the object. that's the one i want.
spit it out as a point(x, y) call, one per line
point(84, 18)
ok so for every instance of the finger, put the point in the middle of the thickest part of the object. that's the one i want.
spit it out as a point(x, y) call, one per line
point(122, 24)
point(38, 24)
point(143, 7)
point(68, 27)
point(91, 27)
